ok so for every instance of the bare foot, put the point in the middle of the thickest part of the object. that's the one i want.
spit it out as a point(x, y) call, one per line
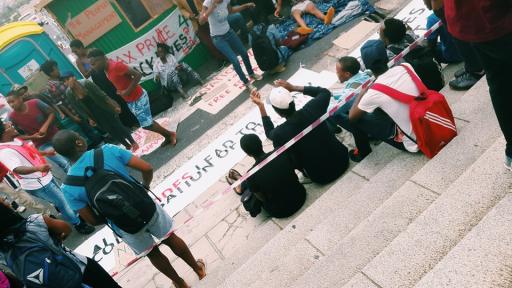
point(170, 140)
point(202, 269)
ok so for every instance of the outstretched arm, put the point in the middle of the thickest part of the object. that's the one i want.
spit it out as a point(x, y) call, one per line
point(144, 167)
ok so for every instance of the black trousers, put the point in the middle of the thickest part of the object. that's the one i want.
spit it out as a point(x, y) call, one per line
point(96, 277)
point(497, 62)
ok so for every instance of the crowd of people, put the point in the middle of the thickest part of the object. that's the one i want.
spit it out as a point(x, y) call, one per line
point(68, 123)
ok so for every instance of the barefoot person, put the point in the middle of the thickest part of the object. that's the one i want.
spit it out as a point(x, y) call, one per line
point(118, 161)
point(126, 80)
point(299, 8)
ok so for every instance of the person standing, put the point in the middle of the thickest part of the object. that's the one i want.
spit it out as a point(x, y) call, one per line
point(126, 80)
point(118, 161)
point(487, 25)
point(225, 39)
point(34, 175)
point(166, 70)
point(93, 104)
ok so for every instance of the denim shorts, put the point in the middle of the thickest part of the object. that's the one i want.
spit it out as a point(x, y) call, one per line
point(158, 227)
point(141, 109)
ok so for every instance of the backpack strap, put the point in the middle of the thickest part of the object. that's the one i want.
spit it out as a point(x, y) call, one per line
point(419, 84)
point(99, 160)
point(393, 93)
point(74, 180)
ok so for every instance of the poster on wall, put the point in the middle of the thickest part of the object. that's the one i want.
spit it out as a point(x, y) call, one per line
point(93, 22)
point(28, 69)
point(175, 30)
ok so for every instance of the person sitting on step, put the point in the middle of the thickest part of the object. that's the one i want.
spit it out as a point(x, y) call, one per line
point(299, 8)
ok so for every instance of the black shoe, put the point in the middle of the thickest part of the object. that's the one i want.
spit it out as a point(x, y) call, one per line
point(355, 156)
point(464, 82)
point(459, 72)
point(84, 228)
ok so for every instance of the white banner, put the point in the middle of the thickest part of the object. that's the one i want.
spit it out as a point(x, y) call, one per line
point(175, 31)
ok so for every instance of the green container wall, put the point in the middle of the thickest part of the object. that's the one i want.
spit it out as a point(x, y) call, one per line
point(123, 33)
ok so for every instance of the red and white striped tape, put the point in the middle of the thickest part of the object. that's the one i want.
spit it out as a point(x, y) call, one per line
point(295, 139)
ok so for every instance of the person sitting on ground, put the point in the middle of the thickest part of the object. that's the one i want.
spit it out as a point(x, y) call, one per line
point(93, 104)
point(301, 7)
point(376, 114)
point(319, 155)
point(126, 80)
point(348, 70)
point(445, 50)
point(396, 36)
point(36, 120)
point(276, 185)
point(282, 52)
point(67, 116)
point(34, 175)
point(118, 161)
point(167, 71)
point(17, 232)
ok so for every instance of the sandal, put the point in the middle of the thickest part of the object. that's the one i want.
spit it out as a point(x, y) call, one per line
point(232, 177)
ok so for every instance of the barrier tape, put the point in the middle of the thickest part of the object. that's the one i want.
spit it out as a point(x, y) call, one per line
point(294, 140)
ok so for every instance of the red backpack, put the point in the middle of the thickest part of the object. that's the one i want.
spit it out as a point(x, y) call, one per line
point(431, 117)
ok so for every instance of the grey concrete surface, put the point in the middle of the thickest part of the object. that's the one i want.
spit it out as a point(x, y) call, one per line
point(435, 232)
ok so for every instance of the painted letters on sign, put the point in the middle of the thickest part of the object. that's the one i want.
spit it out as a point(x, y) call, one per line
point(175, 30)
point(94, 22)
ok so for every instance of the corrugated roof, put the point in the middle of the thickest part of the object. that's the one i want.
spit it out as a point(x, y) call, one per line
point(16, 30)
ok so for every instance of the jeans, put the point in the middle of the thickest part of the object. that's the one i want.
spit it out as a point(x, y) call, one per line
point(497, 60)
point(230, 45)
point(58, 159)
point(52, 193)
point(377, 125)
point(238, 24)
point(446, 50)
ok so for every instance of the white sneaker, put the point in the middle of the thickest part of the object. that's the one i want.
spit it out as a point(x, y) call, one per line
point(303, 179)
point(256, 77)
point(508, 163)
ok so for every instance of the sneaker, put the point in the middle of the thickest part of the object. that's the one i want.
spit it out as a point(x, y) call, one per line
point(256, 77)
point(356, 156)
point(304, 30)
point(250, 87)
point(329, 15)
point(84, 228)
point(464, 82)
point(303, 179)
point(459, 72)
point(508, 163)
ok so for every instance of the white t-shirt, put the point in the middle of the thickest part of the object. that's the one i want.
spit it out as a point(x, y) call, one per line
point(218, 19)
point(162, 69)
point(398, 79)
point(12, 159)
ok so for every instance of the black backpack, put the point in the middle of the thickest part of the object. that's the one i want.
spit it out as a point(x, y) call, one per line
point(125, 202)
point(266, 56)
point(424, 64)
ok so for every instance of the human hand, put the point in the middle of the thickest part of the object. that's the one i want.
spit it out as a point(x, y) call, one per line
point(277, 13)
point(37, 136)
point(256, 98)
point(250, 5)
point(42, 132)
point(92, 123)
point(285, 84)
point(49, 152)
point(76, 119)
point(118, 110)
point(44, 168)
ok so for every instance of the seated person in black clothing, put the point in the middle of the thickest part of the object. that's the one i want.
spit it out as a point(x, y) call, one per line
point(276, 185)
point(319, 154)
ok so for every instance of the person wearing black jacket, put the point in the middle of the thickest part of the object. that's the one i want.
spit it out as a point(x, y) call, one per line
point(319, 154)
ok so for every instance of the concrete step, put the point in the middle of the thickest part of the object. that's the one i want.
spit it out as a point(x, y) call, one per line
point(483, 258)
point(436, 231)
point(356, 250)
point(344, 188)
point(295, 258)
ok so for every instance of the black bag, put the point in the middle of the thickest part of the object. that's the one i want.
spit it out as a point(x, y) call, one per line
point(423, 62)
point(124, 202)
point(266, 56)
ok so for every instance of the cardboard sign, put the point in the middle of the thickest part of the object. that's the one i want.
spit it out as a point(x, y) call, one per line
point(94, 22)
point(175, 31)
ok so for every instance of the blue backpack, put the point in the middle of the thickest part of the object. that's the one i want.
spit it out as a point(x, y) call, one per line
point(39, 263)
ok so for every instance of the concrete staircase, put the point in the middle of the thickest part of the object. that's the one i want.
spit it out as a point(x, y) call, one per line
point(396, 220)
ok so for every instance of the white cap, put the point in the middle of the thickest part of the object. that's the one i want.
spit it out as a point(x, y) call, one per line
point(280, 98)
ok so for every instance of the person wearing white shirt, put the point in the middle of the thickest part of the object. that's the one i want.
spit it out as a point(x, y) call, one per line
point(166, 70)
point(394, 125)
